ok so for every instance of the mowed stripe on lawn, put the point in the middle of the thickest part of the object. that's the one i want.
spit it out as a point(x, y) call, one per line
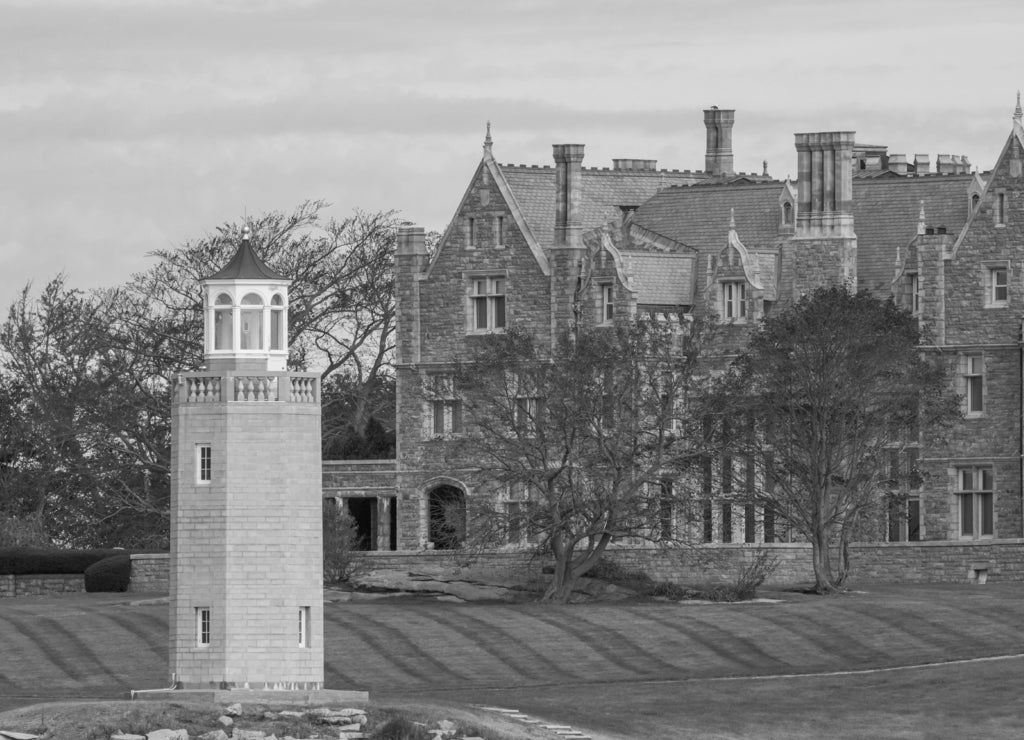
point(93, 643)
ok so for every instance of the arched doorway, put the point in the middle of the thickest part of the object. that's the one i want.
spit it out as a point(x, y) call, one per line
point(446, 511)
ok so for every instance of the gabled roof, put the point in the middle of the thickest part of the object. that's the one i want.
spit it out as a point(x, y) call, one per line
point(246, 265)
point(885, 216)
point(605, 191)
point(699, 217)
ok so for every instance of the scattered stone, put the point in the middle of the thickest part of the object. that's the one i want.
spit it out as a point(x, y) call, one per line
point(234, 710)
point(292, 713)
point(270, 716)
point(167, 735)
point(238, 734)
point(214, 735)
point(120, 736)
point(225, 720)
point(320, 711)
point(351, 728)
point(446, 725)
point(350, 712)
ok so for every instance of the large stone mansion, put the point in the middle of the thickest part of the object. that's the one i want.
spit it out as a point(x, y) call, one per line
point(546, 245)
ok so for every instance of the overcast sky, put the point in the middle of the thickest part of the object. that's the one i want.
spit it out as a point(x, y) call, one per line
point(128, 126)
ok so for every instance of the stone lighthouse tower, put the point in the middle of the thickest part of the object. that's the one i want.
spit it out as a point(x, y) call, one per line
point(246, 542)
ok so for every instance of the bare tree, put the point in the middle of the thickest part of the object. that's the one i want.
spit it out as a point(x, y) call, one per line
point(590, 442)
point(824, 390)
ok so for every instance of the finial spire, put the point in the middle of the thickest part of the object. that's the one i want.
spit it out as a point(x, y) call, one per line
point(1018, 114)
point(920, 219)
point(487, 138)
point(764, 170)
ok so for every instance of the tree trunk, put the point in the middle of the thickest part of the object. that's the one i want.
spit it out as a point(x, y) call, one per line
point(823, 581)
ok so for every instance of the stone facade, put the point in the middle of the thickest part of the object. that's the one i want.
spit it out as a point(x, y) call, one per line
point(553, 245)
point(150, 573)
point(246, 567)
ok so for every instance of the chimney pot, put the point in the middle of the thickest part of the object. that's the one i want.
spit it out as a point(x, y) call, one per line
point(718, 155)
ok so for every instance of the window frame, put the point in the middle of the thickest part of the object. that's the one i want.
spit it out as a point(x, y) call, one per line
point(732, 304)
point(204, 626)
point(975, 503)
point(204, 463)
point(914, 288)
point(607, 303)
point(304, 624)
point(494, 303)
point(992, 286)
point(974, 385)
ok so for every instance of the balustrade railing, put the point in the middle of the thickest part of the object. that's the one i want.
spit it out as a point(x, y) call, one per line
point(247, 387)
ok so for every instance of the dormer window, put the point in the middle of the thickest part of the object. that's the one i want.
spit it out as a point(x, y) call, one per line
point(734, 301)
point(607, 303)
point(787, 214)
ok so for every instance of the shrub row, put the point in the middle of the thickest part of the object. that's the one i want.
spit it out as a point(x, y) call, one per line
point(109, 574)
point(31, 561)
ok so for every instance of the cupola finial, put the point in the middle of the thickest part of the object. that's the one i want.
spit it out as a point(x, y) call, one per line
point(1018, 114)
point(487, 138)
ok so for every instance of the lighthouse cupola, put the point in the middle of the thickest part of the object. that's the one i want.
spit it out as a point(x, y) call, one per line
point(246, 314)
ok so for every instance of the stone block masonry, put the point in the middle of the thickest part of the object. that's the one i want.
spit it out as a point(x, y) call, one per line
point(42, 584)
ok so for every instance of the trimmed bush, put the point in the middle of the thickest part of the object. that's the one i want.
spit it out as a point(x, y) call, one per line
point(33, 560)
point(109, 574)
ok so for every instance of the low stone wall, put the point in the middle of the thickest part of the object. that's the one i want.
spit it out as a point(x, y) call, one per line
point(41, 584)
point(919, 562)
point(151, 573)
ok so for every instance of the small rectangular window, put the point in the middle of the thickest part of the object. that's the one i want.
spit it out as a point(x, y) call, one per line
point(974, 384)
point(304, 626)
point(499, 230)
point(998, 286)
point(202, 626)
point(446, 416)
point(1000, 209)
point(914, 294)
point(204, 463)
point(726, 522)
point(607, 303)
point(470, 232)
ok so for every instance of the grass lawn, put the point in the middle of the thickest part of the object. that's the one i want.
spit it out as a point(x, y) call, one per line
point(651, 670)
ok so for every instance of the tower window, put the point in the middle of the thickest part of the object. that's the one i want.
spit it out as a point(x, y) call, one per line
point(277, 331)
point(223, 328)
point(499, 230)
point(251, 329)
point(202, 626)
point(204, 463)
point(304, 626)
point(914, 293)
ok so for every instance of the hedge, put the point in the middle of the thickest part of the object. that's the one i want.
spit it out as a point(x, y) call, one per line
point(29, 560)
point(109, 574)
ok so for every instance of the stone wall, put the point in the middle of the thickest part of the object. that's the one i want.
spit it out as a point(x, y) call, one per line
point(41, 584)
point(150, 573)
point(921, 562)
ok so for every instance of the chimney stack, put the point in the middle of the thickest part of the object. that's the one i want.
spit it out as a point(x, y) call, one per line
point(921, 164)
point(568, 194)
point(718, 156)
point(825, 184)
point(898, 164)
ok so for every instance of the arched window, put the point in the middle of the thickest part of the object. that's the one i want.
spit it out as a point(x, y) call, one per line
point(277, 338)
point(975, 200)
point(222, 322)
point(446, 507)
point(787, 213)
point(251, 329)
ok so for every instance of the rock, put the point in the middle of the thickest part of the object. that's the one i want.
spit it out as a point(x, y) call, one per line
point(214, 735)
point(270, 716)
point(447, 726)
point(292, 713)
point(125, 736)
point(225, 720)
point(351, 728)
point(234, 710)
point(167, 735)
point(320, 711)
point(238, 734)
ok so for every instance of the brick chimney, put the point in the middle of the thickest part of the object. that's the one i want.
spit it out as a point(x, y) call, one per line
point(825, 184)
point(718, 156)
